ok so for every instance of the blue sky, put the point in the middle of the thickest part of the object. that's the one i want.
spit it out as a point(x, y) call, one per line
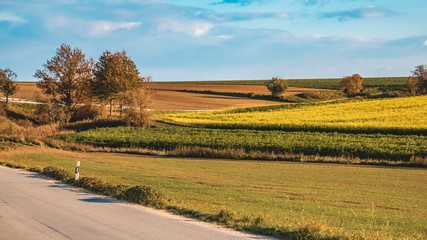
point(222, 39)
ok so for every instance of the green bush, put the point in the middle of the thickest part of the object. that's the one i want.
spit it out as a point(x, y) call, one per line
point(225, 216)
point(92, 184)
point(50, 113)
point(56, 173)
point(99, 186)
point(116, 191)
point(277, 86)
point(137, 194)
point(259, 220)
point(323, 95)
point(35, 169)
point(85, 112)
point(144, 195)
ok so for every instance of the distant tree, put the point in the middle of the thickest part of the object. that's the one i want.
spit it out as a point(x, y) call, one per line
point(66, 78)
point(7, 83)
point(418, 81)
point(352, 85)
point(277, 86)
point(115, 74)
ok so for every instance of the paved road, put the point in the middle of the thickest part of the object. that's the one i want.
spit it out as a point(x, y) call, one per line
point(33, 207)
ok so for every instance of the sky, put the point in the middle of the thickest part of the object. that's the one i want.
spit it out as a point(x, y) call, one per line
point(187, 40)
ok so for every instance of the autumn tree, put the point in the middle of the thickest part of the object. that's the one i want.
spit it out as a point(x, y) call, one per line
point(115, 73)
point(7, 83)
point(50, 112)
point(138, 104)
point(66, 78)
point(352, 85)
point(418, 81)
point(277, 86)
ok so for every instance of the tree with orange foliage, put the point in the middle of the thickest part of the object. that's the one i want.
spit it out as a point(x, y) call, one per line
point(66, 78)
point(352, 85)
point(7, 83)
point(115, 73)
point(418, 81)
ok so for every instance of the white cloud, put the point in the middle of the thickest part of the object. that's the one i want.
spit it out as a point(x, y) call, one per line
point(360, 13)
point(317, 35)
point(202, 29)
point(93, 28)
point(313, 2)
point(243, 16)
point(425, 43)
point(106, 27)
point(10, 17)
point(224, 37)
point(351, 38)
point(193, 28)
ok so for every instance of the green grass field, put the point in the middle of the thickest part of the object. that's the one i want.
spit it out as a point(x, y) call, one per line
point(377, 146)
point(383, 83)
point(328, 200)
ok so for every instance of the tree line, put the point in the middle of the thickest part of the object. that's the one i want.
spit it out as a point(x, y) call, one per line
point(353, 85)
point(80, 88)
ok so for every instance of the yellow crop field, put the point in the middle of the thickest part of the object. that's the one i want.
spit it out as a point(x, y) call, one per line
point(394, 115)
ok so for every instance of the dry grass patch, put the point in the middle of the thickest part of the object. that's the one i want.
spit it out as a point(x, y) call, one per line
point(29, 90)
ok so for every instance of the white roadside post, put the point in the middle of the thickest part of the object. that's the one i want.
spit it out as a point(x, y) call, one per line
point(76, 178)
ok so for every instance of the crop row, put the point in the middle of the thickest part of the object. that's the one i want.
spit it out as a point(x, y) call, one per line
point(384, 83)
point(376, 146)
point(391, 116)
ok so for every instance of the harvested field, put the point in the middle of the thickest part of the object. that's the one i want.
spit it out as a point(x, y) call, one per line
point(29, 90)
point(173, 100)
point(169, 96)
point(257, 89)
point(383, 83)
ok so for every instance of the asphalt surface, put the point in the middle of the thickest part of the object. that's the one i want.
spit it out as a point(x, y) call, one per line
point(34, 207)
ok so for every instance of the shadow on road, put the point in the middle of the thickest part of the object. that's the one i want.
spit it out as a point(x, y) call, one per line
point(97, 200)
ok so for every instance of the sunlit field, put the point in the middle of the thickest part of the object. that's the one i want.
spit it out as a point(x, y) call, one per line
point(324, 200)
point(349, 169)
point(396, 115)
point(376, 146)
point(382, 83)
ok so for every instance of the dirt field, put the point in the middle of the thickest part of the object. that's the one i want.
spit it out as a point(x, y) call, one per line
point(29, 90)
point(257, 89)
point(168, 97)
point(172, 100)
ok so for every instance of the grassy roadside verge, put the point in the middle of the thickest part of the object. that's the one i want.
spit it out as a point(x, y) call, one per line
point(288, 200)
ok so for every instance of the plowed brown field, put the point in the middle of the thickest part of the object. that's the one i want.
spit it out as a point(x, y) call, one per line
point(29, 90)
point(169, 97)
point(257, 89)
